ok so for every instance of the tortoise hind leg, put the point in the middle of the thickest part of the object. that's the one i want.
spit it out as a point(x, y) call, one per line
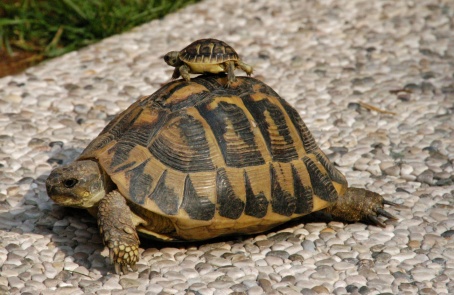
point(230, 69)
point(118, 231)
point(360, 204)
point(245, 67)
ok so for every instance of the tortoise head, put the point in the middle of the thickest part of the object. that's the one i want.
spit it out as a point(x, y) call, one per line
point(172, 58)
point(81, 184)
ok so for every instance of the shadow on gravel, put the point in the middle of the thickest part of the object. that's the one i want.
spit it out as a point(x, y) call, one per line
point(75, 232)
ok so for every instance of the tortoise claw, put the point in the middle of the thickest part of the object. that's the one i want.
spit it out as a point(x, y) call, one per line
point(117, 268)
point(376, 221)
point(380, 211)
point(383, 212)
point(395, 205)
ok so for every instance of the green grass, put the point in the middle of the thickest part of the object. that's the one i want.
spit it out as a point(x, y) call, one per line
point(53, 27)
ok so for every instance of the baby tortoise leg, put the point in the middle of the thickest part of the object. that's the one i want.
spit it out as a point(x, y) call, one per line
point(230, 69)
point(360, 204)
point(118, 231)
point(176, 73)
point(245, 67)
point(184, 71)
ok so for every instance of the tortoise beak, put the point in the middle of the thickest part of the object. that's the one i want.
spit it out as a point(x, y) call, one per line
point(52, 180)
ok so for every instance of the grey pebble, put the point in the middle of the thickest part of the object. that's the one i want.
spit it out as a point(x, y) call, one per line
point(308, 245)
point(279, 253)
point(448, 234)
point(265, 285)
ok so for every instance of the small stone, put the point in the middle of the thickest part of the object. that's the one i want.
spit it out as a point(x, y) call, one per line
point(289, 279)
point(439, 260)
point(392, 171)
point(363, 290)
point(255, 290)
point(426, 177)
point(280, 236)
point(264, 243)
point(307, 291)
point(414, 244)
point(296, 257)
point(320, 290)
point(325, 273)
point(448, 234)
point(12, 98)
point(351, 288)
point(265, 285)
point(308, 245)
point(280, 254)
point(382, 257)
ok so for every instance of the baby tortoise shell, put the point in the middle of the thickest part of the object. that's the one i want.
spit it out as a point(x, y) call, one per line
point(197, 160)
point(206, 56)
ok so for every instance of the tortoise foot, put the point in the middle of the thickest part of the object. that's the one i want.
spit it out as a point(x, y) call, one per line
point(118, 231)
point(360, 204)
point(123, 255)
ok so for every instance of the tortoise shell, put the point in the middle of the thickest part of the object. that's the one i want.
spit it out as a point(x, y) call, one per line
point(208, 51)
point(215, 160)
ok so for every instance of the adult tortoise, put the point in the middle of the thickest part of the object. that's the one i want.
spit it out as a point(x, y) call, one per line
point(206, 56)
point(197, 160)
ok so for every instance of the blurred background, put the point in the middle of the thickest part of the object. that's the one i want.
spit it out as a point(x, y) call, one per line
point(34, 30)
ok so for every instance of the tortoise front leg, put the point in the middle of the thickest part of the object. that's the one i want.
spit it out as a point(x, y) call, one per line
point(360, 204)
point(176, 73)
point(118, 231)
point(184, 71)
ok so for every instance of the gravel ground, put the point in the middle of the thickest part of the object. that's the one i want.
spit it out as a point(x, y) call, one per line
point(330, 59)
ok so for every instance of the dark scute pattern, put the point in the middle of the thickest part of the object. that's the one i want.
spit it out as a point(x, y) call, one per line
point(282, 202)
point(98, 143)
point(230, 206)
point(210, 82)
point(305, 135)
point(333, 173)
point(165, 197)
point(256, 205)
point(208, 47)
point(123, 124)
point(280, 151)
point(143, 133)
point(124, 167)
point(189, 101)
point(114, 129)
point(321, 183)
point(303, 194)
point(236, 153)
point(160, 97)
point(197, 207)
point(120, 155)
point(205, 49)
point(139, 183)
point(194, 156)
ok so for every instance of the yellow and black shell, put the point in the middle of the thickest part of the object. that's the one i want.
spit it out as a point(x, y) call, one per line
point(216, 160)
point(208, 51)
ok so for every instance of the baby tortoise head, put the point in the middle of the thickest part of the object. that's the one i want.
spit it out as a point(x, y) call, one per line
point(172, 58)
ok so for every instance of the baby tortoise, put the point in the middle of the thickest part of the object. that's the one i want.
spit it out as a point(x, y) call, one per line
point(196, 160)
point(206, 56)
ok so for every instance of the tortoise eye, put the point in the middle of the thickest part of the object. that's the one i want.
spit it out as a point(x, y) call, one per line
point(70, 183)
